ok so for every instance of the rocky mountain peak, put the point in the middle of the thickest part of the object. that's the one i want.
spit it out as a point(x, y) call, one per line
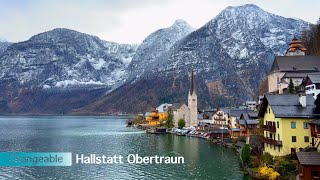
point(181, 24)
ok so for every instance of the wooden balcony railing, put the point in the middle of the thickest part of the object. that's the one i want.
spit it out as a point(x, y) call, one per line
point(269, 128)
point(272, 141)
point(315, 134)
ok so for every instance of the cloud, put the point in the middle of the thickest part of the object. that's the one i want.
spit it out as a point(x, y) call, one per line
point(126, 21)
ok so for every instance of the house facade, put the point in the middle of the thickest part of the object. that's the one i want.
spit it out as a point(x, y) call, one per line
point(220, 118)
point(251, 105)
point(285, 123)
point(309, 165)
point(311, 84)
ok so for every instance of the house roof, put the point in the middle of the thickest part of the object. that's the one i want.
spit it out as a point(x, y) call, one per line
point(288, 99)
point(252, 121)
point(242, 122)
point(176, 106)
point(315, 78)
point(224, 131)
point(317, 122)
point(296, 63)
point(237, 112)
point(298, 74)
point(309, 158)
point(287, 105)
point(253, 114)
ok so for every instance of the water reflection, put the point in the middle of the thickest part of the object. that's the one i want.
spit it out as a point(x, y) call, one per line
point(109, 136)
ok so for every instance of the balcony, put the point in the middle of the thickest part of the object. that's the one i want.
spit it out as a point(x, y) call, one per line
point(271, 141)
point(315, 134)
point(270, 128)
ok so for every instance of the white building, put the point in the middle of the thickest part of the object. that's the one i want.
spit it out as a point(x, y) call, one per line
point(251, 105)
point(312, 84)
point(260, 99)
point(220, 117)
point(163, 107)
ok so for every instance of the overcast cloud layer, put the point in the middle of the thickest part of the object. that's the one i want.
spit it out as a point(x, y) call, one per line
point(127, 21)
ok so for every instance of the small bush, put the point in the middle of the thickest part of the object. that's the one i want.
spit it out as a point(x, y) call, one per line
point(287, 167)
point(181, 123)
point(268, 173)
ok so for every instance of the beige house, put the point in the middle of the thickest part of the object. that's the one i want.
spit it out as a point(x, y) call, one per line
point(220, 117)
point(294, 65)
point(180, 110)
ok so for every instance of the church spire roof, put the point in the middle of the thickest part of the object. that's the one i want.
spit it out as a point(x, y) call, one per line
point(193, 83)
point(295, 45)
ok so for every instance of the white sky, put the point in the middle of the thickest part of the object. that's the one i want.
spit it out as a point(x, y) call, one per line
point(127, 21)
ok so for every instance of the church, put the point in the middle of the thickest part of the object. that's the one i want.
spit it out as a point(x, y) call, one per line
point(294, 66)
point(188, 112)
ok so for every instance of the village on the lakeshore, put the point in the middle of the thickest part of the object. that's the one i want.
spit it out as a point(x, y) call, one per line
point(280, 130)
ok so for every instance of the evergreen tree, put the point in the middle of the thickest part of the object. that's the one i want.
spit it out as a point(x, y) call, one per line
point(291, 87)
point(246, 153)
point(169, 120)
point(317, 103)
point(181, 123)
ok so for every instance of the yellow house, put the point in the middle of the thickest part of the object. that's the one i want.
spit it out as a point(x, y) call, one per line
point(162, 116)
point(156, 117)
point(286, 123)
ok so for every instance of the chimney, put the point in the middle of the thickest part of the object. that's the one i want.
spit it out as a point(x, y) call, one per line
point(303, 99)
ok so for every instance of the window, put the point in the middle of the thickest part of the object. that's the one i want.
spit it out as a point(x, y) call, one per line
point(279, 148)
point(293, 150)
point(277, 124)
point(305, 125)
point(315, 174)
point(269, 110)
point(294, 138)
point(293, 125)
point(278, 137)
point(306, 139)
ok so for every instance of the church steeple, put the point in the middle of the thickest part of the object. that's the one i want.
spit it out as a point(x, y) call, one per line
point(192, 102)
point(296, 48)
point(193, 83)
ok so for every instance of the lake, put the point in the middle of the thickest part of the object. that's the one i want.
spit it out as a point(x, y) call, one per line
point(110, 136)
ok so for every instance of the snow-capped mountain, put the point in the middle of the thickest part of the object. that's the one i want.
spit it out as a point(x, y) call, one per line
point(60, 70)
point(230, 54)
point(156, 45)
point(65, 58)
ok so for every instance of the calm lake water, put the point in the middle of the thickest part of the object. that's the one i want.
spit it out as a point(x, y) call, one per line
point(109, 136)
